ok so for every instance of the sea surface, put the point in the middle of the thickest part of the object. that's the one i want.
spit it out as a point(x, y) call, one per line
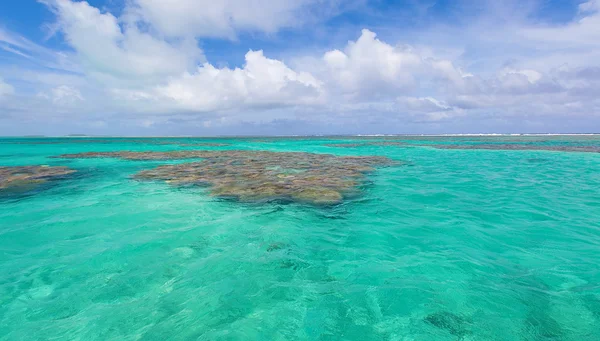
point(446, 245)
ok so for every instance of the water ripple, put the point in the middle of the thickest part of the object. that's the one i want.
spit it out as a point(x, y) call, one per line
point(463, 245)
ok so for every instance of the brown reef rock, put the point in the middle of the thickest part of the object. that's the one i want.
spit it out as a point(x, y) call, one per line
point(320, 179)
point(24, 177)
point(555, 148)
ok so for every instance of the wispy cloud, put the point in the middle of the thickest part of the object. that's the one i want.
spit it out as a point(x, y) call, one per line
point(24, 48)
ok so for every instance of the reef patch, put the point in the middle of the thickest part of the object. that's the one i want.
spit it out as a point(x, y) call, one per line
point(508, 146)
point(28, 177)
point(256, 176)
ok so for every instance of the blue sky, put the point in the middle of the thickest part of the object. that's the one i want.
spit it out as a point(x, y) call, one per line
point(199, 67)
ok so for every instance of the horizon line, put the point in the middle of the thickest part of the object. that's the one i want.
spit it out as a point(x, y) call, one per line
point(75, 136)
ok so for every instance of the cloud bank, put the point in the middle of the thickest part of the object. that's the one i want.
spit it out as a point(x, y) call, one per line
point(145, 69)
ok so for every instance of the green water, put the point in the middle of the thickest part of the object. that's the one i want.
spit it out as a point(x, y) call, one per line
point(452, 245)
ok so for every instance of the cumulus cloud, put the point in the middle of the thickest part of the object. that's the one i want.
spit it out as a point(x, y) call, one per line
point(106, 48)
point(262, 82)
point(369, 63)
point(369, 67)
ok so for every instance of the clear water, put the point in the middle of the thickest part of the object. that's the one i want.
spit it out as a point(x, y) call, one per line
point(455, 245)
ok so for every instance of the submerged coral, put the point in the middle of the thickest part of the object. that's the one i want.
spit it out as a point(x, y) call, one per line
point(142, 156)
point(24, 177)
point(204, 144)
point(141, 141)
point(245, 175)
point(454, 324)
point(364, 144)
point(345, 145)
point(523, 145)
point(507, 146)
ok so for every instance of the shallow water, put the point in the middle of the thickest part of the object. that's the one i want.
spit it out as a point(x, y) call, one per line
point(449, 245)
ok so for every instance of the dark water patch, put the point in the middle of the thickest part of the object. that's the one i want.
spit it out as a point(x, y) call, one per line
point(534, 294)
point(277, 246)
point(200, 245)
point(592, 304)
point(55, 310)
point(293, 264)
point(14, 155)
point(276, 209)
point(80, 236)
point(117, 289)
point(345, 145)
point(537, 160)
point(538, 325)
point(256, 203)
point(368, 144)
point(333, 216)
point(204, 144)
point(452, 323)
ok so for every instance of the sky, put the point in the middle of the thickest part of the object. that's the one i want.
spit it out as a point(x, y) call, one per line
point(298, 67)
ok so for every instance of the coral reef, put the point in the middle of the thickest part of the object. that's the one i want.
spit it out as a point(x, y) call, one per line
point(556, 148)
point(143, 156)
point(485, 146)
point(26, 177)
point(320, 179)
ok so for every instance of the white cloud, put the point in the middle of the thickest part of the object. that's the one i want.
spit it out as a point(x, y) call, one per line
point(5, 89)
point(63, 95)
point(584, 31)
point(22, 47)
point(262, 82)
point(422, 104)
point(532, 76)
point(371, 68)
point(109, 49)
point(368, 68)
point(370, 64)
point(224, 18)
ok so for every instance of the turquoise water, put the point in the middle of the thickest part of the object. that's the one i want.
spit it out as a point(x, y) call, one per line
point(451, 245)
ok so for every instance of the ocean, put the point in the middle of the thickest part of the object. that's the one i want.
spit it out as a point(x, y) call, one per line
point(457, 238)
